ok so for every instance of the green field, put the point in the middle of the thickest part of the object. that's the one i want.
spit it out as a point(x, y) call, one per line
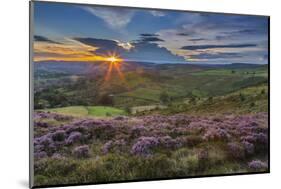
point(234, 72)
point(247, 100)
point(82, 111)
point(140, 91)
point(191, 113)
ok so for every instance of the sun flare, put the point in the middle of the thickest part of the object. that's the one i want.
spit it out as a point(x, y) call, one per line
point(113, 59)
point(114, 65)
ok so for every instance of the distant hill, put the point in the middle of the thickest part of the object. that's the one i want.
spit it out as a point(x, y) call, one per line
point(99, 67)
point(233, 65)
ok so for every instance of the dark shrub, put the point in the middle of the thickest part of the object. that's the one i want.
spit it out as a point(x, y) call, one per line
point(41, 124)
point(41, 154)
point(120, 118)
point(59, 135)
point(169, 143)
point(249, 147)
point(191, 140)
point(242, 97)
point(57, 156)
point(137, 131)
point(60, 117)
point(164, 97)
point(214, 134)
point(203, 159)
point(116, 145)
point(235, 150)
point(106, 100)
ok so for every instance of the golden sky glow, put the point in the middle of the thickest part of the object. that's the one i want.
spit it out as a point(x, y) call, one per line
point(75, 51)
point(112, 59)
point(71, 50)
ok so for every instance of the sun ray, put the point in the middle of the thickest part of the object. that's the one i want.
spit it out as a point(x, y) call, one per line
point(115, 64)
point(117, 68)
point(108, 72)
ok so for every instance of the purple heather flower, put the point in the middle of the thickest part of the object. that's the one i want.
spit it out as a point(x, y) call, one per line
point(81, 151)
point(249, 147)
point(261, 138)
point(57, 156)
point(60, 117)
point(137, 130)
point(107, 146)
point(116, 145)
point(235, 150)
point(257, 165)
point(45, 140)
point(41, 124)
point(38, 147)
point(169, 142)
point(120, 118)
point(203, 155)
point(74, 137)
point(40, 154)
point(144, 145)
point(216, 134)
point(249, 138)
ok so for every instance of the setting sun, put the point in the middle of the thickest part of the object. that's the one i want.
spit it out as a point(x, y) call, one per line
point(114, 64)
point(126, 93)
point(113, 59)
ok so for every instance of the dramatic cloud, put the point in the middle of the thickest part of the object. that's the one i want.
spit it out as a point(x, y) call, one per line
point(238, 32)
point(147, 37)
point(215, 56)
point(151, 35)
point(196, 47)
point(43, 39)
point(197, 39)
point(151, 52)
point(103, 45)
point(157, 13)
point(142, 50)
point(215, 35)
point(116, 18)
point(71, 50)
point(151, 39)
point(183, 34)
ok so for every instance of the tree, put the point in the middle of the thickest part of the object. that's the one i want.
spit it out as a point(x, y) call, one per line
point(164, 97)
point(242, 97)
point(106, 100)
point(192, 100)
point(127, 110)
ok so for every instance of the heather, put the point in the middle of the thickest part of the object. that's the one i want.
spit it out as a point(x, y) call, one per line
point(71, 149)
point(145, 95)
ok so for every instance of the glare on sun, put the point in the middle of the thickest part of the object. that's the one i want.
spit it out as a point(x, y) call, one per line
point(113, 59)
point(114, 64)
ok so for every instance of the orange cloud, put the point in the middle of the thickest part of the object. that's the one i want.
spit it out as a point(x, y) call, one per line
point(71, 50)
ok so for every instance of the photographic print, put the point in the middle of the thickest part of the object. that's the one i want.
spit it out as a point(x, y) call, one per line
point(123, 94)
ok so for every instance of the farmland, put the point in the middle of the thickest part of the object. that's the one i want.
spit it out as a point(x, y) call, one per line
point(159, 121)
point(125, 94)
point(99, 111)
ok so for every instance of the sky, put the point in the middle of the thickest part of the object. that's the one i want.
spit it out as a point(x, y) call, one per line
point(88, 33)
